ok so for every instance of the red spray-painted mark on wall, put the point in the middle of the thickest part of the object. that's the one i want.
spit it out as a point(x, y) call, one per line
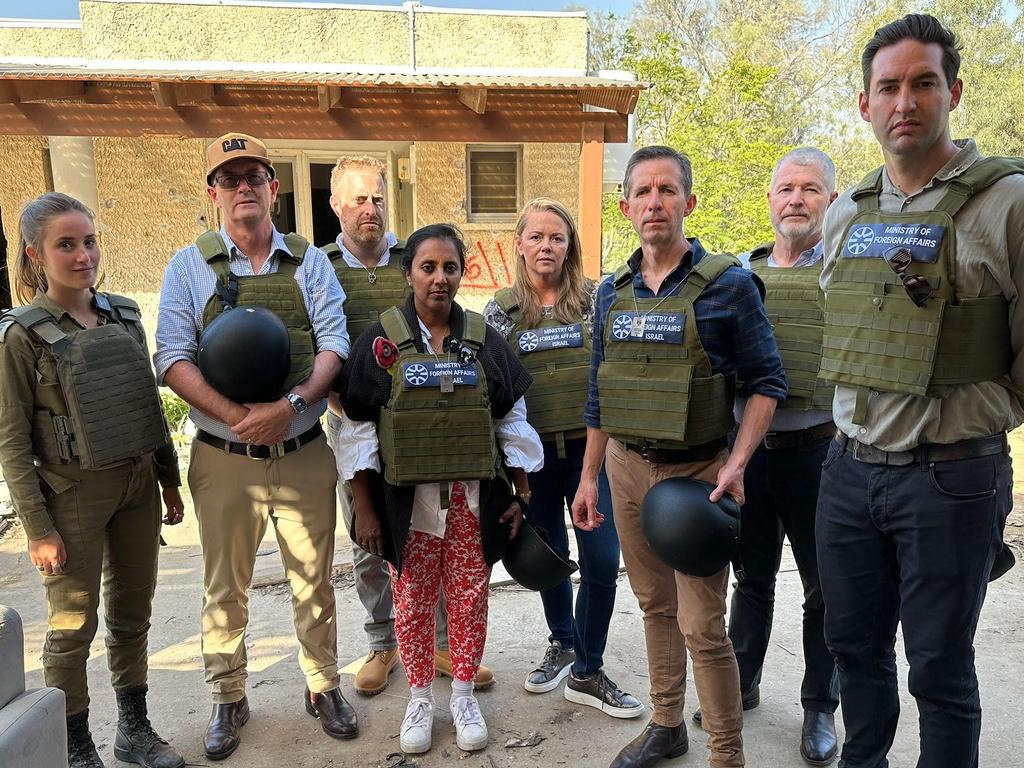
point(486, 272)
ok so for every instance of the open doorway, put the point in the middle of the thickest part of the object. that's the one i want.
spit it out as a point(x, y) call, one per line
point(5, 283)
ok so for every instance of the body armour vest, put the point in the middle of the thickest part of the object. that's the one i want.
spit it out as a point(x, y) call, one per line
point(794, 303)
point(876, 336)
point(368, 292)
point(656, 384)
point(558, 357)
point(437, 425)
point(277, 292)
point(113, 410)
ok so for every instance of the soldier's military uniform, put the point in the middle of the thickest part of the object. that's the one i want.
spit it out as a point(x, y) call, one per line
point(84, 449)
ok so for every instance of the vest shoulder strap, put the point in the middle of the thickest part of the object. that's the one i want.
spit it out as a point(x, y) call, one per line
point(707, 270)
point(41, 324)
point(126, 308)
point(296, 246)
point(474, 329)
point(397, 250)
point(396, 328)
point(980, 176)
point(212, 246)
point(761, 252)
point(332, 250)
point(867, 192)
point(622, 277)
point(506, 299)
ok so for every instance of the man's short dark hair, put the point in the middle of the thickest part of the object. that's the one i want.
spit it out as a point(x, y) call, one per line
point(914, 26)
point(658, 152)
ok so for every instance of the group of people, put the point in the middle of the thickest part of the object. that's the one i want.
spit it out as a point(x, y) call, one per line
point(870, 354)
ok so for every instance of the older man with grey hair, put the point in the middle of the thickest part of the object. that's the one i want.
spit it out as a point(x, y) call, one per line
point(783, 474)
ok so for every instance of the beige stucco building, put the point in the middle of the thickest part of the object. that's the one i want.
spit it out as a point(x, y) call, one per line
point(470, 122)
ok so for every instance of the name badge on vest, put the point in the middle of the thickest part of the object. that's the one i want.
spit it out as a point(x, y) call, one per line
point(443, 375)
point(558, 337)
point(659, 327)
point(871, 241)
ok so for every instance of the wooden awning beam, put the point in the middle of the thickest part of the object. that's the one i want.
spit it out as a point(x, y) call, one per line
point(623, 102)
point(474, 98)
point(328, 97)
point(27, 92)
point(183, 94)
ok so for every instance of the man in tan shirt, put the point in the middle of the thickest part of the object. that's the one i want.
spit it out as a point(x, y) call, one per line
point(924, 337)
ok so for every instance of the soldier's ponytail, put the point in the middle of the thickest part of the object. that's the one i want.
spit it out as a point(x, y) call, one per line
point(35, 218)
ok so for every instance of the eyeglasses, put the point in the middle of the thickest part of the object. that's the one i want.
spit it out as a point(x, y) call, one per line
point(231, 180)
point(918, 287)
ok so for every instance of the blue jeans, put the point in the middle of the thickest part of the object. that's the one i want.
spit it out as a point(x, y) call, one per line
point(553, 488)
point(911, 544)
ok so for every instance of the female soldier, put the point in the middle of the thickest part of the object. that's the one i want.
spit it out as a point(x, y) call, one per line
point(446, 394)
point(83, 443)
point(546, 315)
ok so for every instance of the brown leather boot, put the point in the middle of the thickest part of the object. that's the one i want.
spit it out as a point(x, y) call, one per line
point(372, 677)
point(443, 666)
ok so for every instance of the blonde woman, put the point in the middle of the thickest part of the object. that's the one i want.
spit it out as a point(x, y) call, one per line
point(85, 451)
point(546, 316)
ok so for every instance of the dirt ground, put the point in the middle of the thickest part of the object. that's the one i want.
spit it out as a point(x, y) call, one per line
point(281, 735)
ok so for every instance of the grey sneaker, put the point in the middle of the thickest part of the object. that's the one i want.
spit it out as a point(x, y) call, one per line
point(550, 672)
point(600, 692)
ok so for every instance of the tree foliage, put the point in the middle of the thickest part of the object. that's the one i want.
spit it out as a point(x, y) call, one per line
point(737, 83)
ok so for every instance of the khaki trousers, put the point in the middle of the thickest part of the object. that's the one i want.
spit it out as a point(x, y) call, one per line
point(679, 611)
point(109, 520)
point(234, 496)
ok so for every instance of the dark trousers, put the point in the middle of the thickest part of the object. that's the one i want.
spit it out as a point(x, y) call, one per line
point(553, 487)
point(912, 544)
point(782, 495)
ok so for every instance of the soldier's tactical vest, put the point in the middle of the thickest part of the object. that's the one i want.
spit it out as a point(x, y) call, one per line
point(656, 384)
point(437, 425)
point(876, 337)
point(368, 294)
point(558, 357)
point(794, 303)
point(277, 292)
point(112, 408)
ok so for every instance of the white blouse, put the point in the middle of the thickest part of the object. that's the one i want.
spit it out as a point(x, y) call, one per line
point(358, 449)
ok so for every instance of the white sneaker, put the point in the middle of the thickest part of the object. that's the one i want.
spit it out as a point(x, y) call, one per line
point(470, 728)
point(416, 727)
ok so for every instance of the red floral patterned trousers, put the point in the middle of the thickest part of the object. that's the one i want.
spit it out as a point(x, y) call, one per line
point(455, 562)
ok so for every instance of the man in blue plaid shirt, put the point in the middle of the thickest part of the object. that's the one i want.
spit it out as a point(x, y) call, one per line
point(675, 314)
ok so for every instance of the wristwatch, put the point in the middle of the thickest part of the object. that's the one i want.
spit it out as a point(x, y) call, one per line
point(297, 402)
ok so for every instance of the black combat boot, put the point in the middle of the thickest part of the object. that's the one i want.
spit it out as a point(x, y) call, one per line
point(136, 741)
point(81, 750)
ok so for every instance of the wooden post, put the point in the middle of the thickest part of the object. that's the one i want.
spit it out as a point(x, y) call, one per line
point(591, 187)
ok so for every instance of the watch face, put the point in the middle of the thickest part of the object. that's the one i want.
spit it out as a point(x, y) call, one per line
point(298, 403)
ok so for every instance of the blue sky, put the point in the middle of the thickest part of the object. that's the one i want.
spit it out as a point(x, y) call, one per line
point(68, 9)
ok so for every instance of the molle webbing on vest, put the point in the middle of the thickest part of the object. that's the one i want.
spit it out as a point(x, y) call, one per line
point(794, 304)
point(877, 338)
point(114, 412)
point(278, 292)
point(365, 301)
point(427, 435)
point(555, 399)
point(664, 394)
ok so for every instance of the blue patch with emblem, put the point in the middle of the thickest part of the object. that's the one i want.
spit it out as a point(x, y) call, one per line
point(871, 241)
point(429, 374)
point(557, 337)
point(648, 327)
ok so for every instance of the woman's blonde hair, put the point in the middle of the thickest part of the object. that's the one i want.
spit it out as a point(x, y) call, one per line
point(35, 218)
point(574, 294)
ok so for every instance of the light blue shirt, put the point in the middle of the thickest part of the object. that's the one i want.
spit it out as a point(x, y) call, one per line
point(352, 261)
point(189, 282)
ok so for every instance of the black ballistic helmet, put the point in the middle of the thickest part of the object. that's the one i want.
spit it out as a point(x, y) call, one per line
point(687, 531)
point(532, 562)
point(245, 354)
